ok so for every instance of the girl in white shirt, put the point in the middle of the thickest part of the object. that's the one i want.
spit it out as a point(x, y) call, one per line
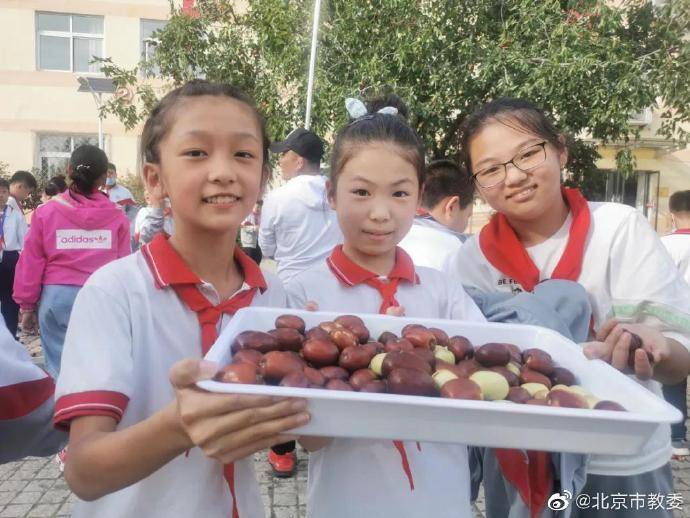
point(542, 231)
point(377, 170)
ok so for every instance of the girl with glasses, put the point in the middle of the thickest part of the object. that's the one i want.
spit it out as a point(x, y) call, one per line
point(542, 231)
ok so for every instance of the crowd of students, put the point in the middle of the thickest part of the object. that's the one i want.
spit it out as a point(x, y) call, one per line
point(144, 441)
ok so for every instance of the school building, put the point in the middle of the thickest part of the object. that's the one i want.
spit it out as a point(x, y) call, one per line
point(49, 44)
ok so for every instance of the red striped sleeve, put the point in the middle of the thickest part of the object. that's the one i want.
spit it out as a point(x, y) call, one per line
point(81, 404)
point(23, 398)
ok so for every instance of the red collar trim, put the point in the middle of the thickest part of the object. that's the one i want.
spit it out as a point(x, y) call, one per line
point(682, 231)
point(502, 248)
point(168, 268)
point(352, 274)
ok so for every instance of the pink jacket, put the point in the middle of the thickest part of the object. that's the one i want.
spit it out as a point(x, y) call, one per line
point(70, 237)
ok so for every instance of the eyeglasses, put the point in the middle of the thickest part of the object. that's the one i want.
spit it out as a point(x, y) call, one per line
point(527, 159)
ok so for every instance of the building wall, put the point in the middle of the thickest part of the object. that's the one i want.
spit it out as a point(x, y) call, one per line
point(35, 102)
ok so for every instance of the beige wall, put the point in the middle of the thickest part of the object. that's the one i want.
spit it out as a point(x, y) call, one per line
point(33, 101)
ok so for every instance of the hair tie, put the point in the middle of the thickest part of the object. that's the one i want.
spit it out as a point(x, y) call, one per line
point(83, 166)
point(358, 111)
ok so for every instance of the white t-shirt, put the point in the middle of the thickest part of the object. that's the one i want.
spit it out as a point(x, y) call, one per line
point(430, 244)
point(298, 228)
point(124, 335)
point(626, 271)
point(13, 228)
point(678, 245)
point(364, 478)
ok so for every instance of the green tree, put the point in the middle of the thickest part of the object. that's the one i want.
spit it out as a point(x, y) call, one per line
point(589, 63)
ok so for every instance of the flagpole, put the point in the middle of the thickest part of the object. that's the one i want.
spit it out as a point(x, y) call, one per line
point(312, 62)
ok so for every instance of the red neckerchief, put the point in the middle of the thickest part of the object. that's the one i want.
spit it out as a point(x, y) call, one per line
point(681, 231)
point(530, 472)
point(170, 270)
point(502, 248)
point(351, 274)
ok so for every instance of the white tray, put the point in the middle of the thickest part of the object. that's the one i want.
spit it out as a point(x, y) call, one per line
point(482, 423)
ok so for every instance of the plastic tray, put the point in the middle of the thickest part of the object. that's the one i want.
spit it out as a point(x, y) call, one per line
point(482, 423)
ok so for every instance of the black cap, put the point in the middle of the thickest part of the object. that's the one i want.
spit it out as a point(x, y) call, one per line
point(303, 142)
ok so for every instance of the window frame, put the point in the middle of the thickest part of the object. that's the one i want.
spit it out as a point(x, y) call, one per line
point(60, 154)
point(142, 41)
point(71, 35)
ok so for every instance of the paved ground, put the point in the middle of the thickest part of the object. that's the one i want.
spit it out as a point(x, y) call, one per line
point(35, 487)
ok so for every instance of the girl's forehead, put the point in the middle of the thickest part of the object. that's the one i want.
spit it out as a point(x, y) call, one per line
point(215, 114)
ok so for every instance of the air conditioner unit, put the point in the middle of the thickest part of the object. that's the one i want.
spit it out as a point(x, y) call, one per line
point(641, 118)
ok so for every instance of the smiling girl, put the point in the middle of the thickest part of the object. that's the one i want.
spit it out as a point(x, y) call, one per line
point(542, 231)
point(377, 170)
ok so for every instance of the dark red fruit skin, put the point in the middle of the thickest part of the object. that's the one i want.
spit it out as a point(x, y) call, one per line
point(289, 339)
point(411, 382)
point(317, 333)
point(492, 354)
point(343, 338)
point(387, 336)
point(403, 359)
point(609, 405)
point(400, 344)
point(247, 356)
point(461, 348)
point(375, 386)
point(527, 375)
point(515, 353)
point(291, 322)
point(635, 344)
point(464, 369)
point(562, 376)
point(257, 340)
point(441, 336)
point(374, 347)
point(320, 353)
point(334, 372)
point(538, 360)
point(425, 354)
point(336, 384)
point(361, 377)
point(315, 378)
point(356, 325)
point(461, 388)
point(295, 379)
point(518, 395)
point(512, 378)
point(420, 336)
point(275, 365)
point(538, 402)
point(355, 358)
point(244, 373)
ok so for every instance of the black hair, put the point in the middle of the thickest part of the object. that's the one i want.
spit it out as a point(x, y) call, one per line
point(375, 104)
point(679, 201)
point(446, 178)
point(515, 113)
point(24, 177)
point(160, 119)
point(88, 165)
point(4, 183)
point(111, 167)
point(55, 185)
point(376, 127)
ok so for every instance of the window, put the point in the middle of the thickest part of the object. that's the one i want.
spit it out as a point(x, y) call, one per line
point(54, 151)
point(149, 42)
point(68, 42)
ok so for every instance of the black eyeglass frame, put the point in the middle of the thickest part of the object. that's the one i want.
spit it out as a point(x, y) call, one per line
point(511, 161)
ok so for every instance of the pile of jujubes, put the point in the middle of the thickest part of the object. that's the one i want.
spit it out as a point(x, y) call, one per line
point(422, 361)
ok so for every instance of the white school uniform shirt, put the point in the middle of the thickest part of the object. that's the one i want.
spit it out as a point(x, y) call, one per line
point(14, 228)
point(678, 245)
point(298, 227)
point(430, 244)
point(23, 226)
point(124, 335)
point(364, 478)
point(624, 265)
